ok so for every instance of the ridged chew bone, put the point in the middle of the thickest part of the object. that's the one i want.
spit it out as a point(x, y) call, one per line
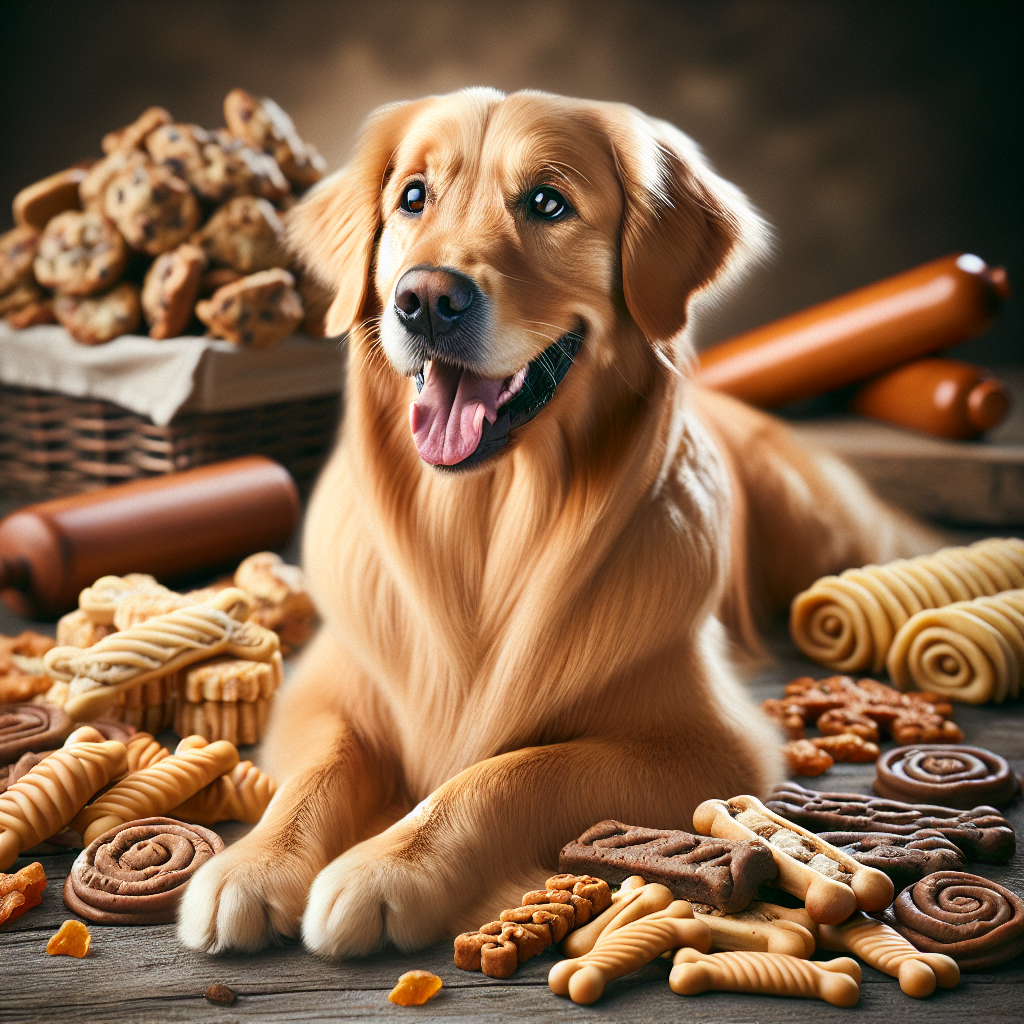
point(45, 800)
point(762, 928)
point(627, 949)
point(241, 795)
point(887, 951)
point(626, 908)
point(771, 974)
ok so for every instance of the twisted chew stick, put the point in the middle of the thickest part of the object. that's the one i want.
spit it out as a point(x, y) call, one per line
point(886, 950)
point(584, 978)
point(773, 974)
point(971, 651)
point(241, 795)
point(46, 799)
point(155, 790)
point(848, 622)
point(143, 751)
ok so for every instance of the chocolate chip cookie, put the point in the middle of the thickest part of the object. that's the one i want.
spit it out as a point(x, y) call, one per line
point(100, 318)
point(17, 251)
point(245, 234)
point(152, 207)
point(133, 135)
point(170, 289)
point(80, 253)
point(258, 311)
point(92, 191)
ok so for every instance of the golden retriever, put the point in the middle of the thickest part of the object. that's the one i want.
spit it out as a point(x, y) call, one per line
point(532, 528)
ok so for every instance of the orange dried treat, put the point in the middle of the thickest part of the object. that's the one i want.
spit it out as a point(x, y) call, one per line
point(787, 716)
point(840, 720)
point(414, 988)
point(804, 758)
point(848, 747)
point(21, 891)
point(813, 704)
point(72, 939)
point(925, 727)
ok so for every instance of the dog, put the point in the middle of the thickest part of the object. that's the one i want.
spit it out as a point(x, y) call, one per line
point(536, 545)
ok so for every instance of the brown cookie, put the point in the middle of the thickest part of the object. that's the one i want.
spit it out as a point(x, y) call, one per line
point(27, 293)
point(17, 251)
point(152, 207)
point(80, 254)
point(133, 135)
point(217, 278)
point(37, 203)
point(93, 189)
point(245, 234)
point(170, 289)
point(99, 318)
point(259, 310)
point(32, 314)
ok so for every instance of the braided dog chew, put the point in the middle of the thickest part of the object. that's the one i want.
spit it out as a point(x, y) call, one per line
point(156, 789)
point(143, 751)
point(887, 951)
point(241, 795)
point(970, 651)
point(45, 800)
point(773, 974)
point(627, 949)
point(848, 622)
point(831, 883)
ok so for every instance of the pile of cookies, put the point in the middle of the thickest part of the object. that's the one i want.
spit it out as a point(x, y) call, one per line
point(176, 225)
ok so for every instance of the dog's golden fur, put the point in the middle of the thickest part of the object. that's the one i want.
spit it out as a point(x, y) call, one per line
point(525, 648)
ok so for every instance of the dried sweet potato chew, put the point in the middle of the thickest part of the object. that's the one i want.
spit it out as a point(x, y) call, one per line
point(46, 799)
point(72, 939)
point(806, 758)
point(143, 751)
point(21, 891)
point(414, 988)
point(153, 791)
point(242, 795)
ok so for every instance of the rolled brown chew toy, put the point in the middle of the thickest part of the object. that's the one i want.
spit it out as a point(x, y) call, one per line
point(935, 773)
point(45, 800)
point(857, 335)
point(887, 951)
point(848, 622)
point(136, 872)
point(943, 397)
point(772, 974)
point(30, 727)
point(621, 952)
point(970, 651)
point(976, 922)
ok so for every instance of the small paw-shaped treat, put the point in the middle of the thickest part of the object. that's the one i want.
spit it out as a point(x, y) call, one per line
point(93, 190)
point(152, 207)
point(258, 311)
point(245, 234)
point(17, 251)
point(80, 254)
point(170, 289)
point(96, 319)
point(840, 720)
point(134, 135)
point(37, 204)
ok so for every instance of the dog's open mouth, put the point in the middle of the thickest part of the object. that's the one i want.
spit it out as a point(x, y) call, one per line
point(460, 418)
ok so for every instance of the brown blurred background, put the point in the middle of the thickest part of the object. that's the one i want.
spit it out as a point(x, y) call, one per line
point(874, 136)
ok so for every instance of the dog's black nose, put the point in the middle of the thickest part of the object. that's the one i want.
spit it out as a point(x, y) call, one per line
point(430, 301)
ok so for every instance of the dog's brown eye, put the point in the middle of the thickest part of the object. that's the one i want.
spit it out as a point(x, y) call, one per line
point(548, 204)
point(414, 197)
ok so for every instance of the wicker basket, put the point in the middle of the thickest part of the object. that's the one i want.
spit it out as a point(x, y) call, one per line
point(53, 445)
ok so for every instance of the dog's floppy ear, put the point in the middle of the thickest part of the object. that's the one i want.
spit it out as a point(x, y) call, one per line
point(334, 228)
point(683, 227)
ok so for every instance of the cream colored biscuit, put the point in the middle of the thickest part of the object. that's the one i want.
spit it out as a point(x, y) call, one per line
point(245, 234)
point(170, 289)
point(258, 311)
point(93, 189)
point(76, 629)
point(37, 204)
point(239, 722)
point(761, 928)
point(628, 907)
point(97, 319)
point(80, 253)
point(100, 601)
point(152, 207)
point(232, 680)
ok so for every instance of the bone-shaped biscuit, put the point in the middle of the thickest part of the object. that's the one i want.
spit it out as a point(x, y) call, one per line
point(627, 949)
point(772, 974)
point(827, 900)
point(762, 928)
point(886, 950)
point(629, 906)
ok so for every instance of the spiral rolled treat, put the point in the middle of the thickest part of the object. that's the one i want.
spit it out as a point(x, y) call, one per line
point(848, 622)
point(971, 651)
point(241, 795)
point(961, 777)
point(136, 873)
point(46, 799)
point(156, 789)
point(772, 974)
point(30, 727)
point(621, 952)
point(976, 922)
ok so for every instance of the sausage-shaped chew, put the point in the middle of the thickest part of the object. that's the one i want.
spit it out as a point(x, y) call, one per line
point(857, 335)
point(943, 397)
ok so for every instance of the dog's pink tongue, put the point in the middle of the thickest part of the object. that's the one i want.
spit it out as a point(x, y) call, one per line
point(447, 418)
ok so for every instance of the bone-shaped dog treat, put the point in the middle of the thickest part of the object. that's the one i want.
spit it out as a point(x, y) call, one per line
point(761, 928)
point(831, 884)
point(627, 949)
point(630, 906)
point(45, 800)
point(772, 974)
point(153, 791)
point(886, 950)
point(241, 795)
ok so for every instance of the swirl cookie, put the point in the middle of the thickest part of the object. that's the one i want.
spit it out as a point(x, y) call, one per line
point(28, 728)
point(80, 254)
point(134, 135)
point(245, 234)
point(97, 319)
point(37, 204)
point(17, 251)
point(136, 873)
point(954, 776)
point(152, 207)
point(170, 290)
point(258, 311)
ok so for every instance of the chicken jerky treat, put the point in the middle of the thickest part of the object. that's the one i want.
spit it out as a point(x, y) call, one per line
point(720, 872)
point(245, 234)
point(953, 776)
point(17, 251)
point(905, 859)
point(258, 311)
point(137, 872)
point(21, 891)
point(97, 319)
point(170, 289)
point(80, 254)
point(152, 207)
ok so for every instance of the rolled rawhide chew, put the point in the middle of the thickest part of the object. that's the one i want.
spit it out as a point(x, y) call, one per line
point(136, 872)
point(156, 789)
point(241, 795)
point(770, 974)
point(953, 776)
point(887, 951)
point(26, 728)
point(970, 651)
point(46, 799)
point(848, 622)
point(630, 906)
point(831, 884)
point(761, 928)
point(627, 949)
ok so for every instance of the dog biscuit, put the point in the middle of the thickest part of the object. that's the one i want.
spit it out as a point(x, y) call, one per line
point(76, 629)
point(279, 590)
point(99, 602)
point(152, 207)
point(773, 974)
point(761, 928)
point(243, 794)
point(134, 135)
point(93, 189)
point(245, 234)
point(628, 907)
point(31, 314)
point(239, 722)
point(18, 248)
point(170, 289)
point(97, 319)
point(258, 311)
point(954, 776)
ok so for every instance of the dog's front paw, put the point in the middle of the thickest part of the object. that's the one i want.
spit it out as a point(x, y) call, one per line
point(244, 899)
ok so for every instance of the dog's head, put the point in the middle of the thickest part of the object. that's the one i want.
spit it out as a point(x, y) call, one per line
point(488, 242)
